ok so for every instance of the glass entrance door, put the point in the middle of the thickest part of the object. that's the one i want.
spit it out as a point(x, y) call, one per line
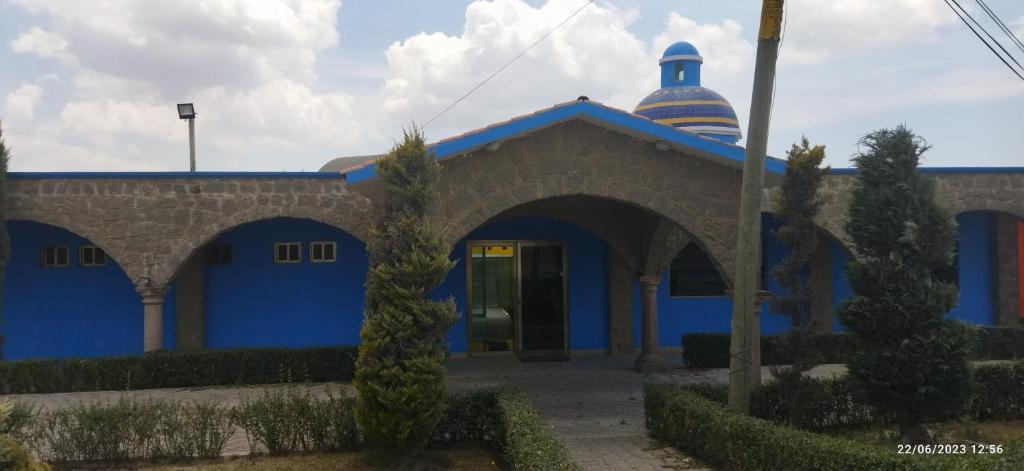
point(517, 297)
point(542, 289)
point(494, 292)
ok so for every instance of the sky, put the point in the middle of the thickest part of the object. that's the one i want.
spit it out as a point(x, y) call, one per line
point(286, 85)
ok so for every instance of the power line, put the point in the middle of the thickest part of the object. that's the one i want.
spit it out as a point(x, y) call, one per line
point(496, 72)
point(982, 28)
point(1002, 26)
point(989, 46)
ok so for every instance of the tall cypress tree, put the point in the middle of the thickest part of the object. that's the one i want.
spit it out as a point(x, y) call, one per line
point(5, 241)
point(400, 372)
point(798, 204)
point(914, 365)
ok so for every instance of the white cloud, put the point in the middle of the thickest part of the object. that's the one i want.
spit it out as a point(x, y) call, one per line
point(593, 54)
point(21, 103)
point(819, 29)
point(43, 44)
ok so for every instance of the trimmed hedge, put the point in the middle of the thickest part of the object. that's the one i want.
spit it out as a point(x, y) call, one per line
point(282, 421)
point(998, 395)
point(711, 350)
point(175, 369)
point(705, 429)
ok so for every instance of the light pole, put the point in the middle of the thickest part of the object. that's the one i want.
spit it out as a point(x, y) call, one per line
point(188, 111)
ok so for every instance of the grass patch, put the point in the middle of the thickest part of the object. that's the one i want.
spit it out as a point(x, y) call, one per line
point(468, 458)
point(989, 432)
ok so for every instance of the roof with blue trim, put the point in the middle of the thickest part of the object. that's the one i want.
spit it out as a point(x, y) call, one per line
point(596, 113)
point(695, 109)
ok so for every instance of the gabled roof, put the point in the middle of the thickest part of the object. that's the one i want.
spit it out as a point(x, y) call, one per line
point(596, 113)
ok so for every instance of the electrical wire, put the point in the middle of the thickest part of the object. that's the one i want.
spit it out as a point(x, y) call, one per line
point(989, 46)
point(1002, 26)
point(504, 66)
point(982, 28)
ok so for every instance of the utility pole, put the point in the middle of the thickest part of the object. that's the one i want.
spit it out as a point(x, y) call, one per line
point(748, 243)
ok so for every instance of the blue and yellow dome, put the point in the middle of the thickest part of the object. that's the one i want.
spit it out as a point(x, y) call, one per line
point(683, 103)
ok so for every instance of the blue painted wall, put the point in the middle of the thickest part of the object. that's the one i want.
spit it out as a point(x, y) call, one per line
point(256, 302)
point(974, 246)
point(65, 312)
point(682, 315)
point(588, 277)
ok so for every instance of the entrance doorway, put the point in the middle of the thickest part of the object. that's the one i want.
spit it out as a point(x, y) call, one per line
point(517, 292)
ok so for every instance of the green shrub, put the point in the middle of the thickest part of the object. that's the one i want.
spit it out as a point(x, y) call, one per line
point(1000, 343)
point(707, 430)
point(187, 368)
point(470, 416)
point(289, 421)
point(118, 431)
point(998, 394)
point(998, 391)
point(16, 418)
point(197, 429)
point(131, 429)
point(526, 443)
point(14, 456)
point(400, 374)
point(711, 350)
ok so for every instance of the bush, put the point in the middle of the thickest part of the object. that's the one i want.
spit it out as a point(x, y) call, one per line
point(199, 429)
point(16, 457)
point(400, 371)
point(711, 350)
point(130, 429)
point(998, 391)
point(833, 403)
point(705, 429)
point(1000, 343)
point(291, 421)
point(171, 369)
point(526, 443)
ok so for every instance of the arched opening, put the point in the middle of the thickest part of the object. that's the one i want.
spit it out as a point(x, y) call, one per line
point(65, 297)
point(283, 282)
point(529, 284)
point(987, 267)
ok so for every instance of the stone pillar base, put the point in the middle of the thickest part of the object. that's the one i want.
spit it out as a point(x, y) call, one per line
point(650, 364)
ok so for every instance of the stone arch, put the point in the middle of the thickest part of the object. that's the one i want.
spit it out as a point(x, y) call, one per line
point(199, 237)
point(582, 159)
point(115, 249)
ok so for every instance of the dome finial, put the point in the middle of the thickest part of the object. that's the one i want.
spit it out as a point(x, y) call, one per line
point(682, 103)
point(680, 65)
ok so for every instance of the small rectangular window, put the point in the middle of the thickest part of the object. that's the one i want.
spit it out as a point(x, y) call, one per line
point(55, 256)
point(287, 252)
point(322, 252)
point(219, 254)
point(91, 256)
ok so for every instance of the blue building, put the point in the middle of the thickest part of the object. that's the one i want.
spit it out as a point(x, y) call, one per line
point(578, 229)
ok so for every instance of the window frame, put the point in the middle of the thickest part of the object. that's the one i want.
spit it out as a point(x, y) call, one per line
point(96, 250)
point(725, 291)
point(215, 254)
point(323, 244)
point(67, 256)
point(278, 245)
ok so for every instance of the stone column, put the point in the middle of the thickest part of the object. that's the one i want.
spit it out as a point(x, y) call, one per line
point(189, 301)
point(650, 360)
point(153, 318)
point(1005, 280)
point(620, 305)
point(821, 282)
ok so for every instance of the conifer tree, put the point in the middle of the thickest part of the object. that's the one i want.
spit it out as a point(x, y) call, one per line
point(5, 241)
point(913, 365)
point(400, 372)
point(797, 205)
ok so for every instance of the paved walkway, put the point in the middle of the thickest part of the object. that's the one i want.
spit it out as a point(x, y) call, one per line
point(594, 404)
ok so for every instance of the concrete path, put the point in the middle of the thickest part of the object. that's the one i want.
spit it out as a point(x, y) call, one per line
point(594, 404)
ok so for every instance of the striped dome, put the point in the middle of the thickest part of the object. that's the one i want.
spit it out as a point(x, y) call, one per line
point(683, 103)
point(691, 108)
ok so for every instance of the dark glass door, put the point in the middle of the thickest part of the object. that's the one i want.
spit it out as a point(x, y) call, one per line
point(542, 297)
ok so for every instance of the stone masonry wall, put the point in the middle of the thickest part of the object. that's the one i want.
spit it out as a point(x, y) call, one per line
point(151, 226)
